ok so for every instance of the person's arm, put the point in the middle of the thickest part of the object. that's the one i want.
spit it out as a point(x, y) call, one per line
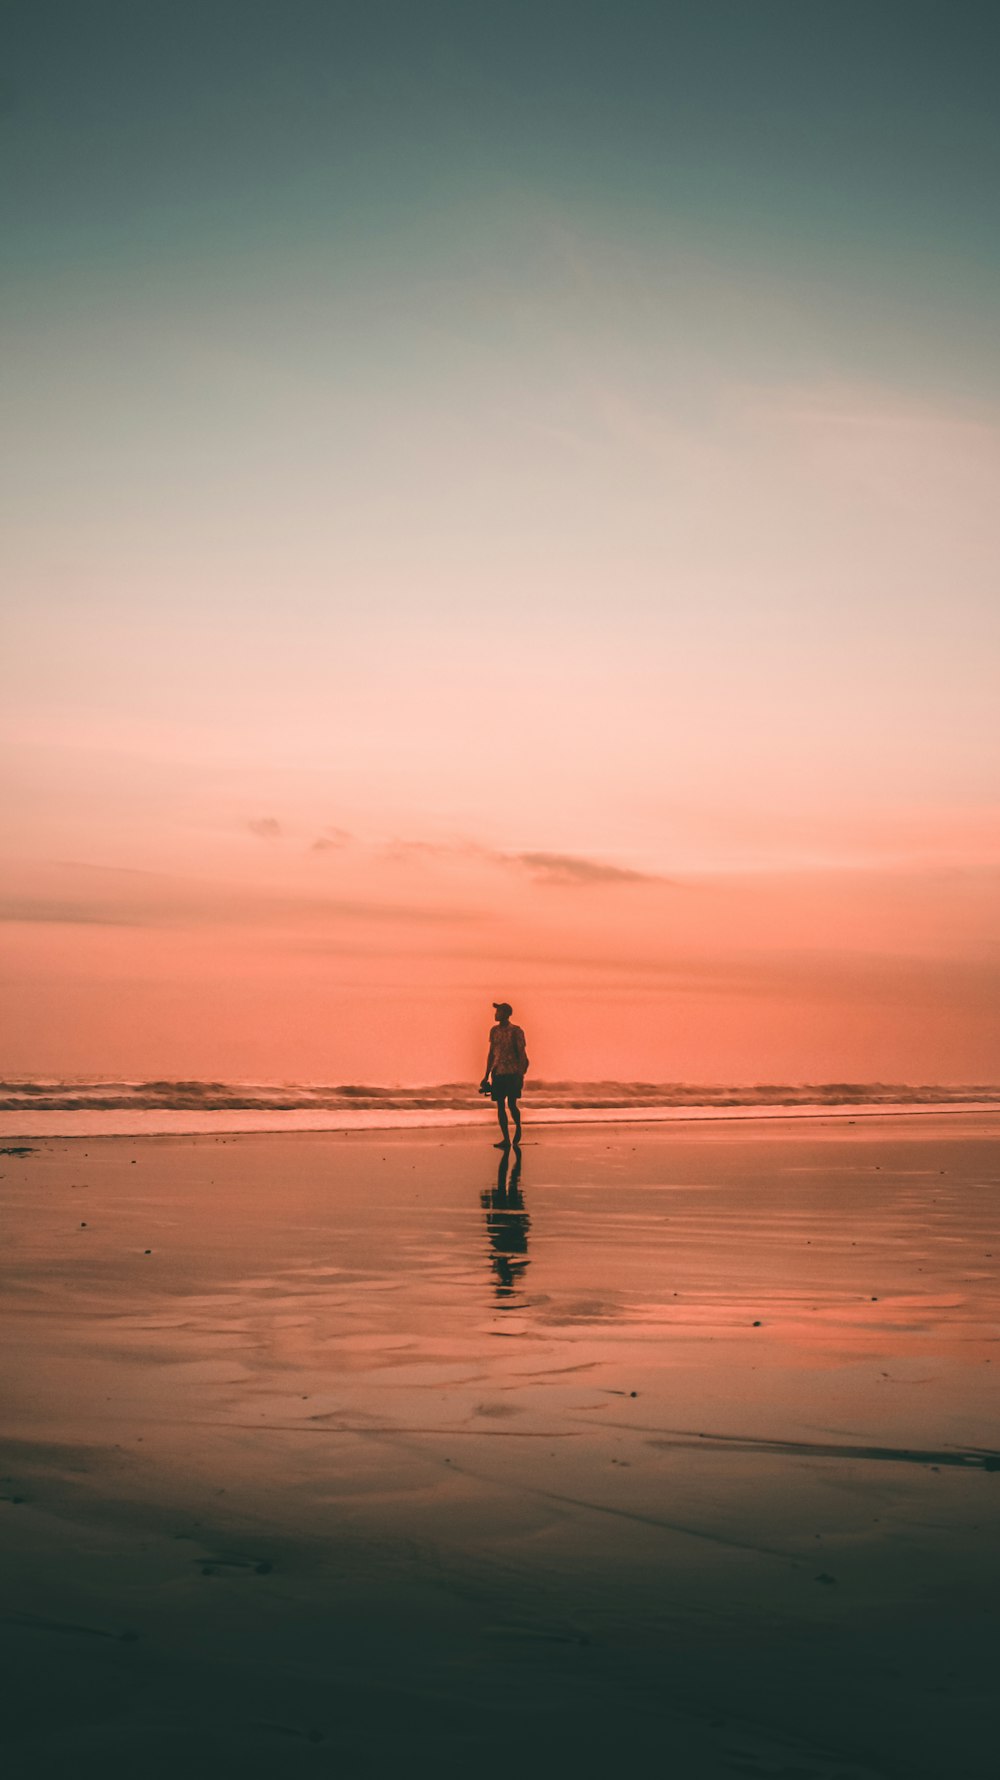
point(522, 1053)
point(489, 1064)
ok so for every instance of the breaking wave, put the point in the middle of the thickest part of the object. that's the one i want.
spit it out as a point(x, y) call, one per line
point(87, 1097)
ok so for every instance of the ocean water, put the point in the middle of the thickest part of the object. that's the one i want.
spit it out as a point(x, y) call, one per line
point(49, 1108)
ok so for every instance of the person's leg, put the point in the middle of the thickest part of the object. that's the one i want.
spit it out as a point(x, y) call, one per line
point(502, 1116)
point(516, 1110)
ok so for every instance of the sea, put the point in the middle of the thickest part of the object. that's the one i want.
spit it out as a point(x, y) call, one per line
point(37, 1108)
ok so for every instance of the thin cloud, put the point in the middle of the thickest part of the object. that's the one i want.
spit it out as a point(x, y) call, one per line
point(268, 828)
point(331, 839)
point(565, 869)
point(98, 896)
point(457, 849)
point(570, 868)
point(23, 911)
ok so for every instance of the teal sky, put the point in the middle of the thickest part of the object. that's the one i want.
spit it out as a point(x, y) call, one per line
point(868, 122)
point(229, 153)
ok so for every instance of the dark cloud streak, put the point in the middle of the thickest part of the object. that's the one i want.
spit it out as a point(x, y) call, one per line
point(571, 870)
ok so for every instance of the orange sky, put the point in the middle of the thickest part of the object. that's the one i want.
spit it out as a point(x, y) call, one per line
point(725, 808)
point(379, 963)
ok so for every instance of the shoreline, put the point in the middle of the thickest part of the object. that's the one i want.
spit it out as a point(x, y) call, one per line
point(168, 1122)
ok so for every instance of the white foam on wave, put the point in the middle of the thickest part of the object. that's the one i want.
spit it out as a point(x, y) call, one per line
point(122, 1109)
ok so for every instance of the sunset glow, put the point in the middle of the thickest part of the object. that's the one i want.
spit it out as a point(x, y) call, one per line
point(452, 559)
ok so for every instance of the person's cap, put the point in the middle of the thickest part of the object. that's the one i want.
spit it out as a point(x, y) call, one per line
point(502, 1007)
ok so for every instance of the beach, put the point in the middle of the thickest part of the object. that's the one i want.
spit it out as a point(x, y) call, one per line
point(365, 1451)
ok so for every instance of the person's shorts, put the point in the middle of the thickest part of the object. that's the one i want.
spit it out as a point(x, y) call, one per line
point(506, 1087)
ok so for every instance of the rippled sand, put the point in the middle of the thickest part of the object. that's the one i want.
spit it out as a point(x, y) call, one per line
point(678, 1453)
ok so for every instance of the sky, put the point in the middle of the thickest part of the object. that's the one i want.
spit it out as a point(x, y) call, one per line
point(499, 501)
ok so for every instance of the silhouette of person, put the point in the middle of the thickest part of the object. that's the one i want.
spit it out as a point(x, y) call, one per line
point(507, 1225)
point(506, 1063)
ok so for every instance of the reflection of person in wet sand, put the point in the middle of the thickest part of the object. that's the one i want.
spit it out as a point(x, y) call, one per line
point(507, 1224)
point(506, 1063)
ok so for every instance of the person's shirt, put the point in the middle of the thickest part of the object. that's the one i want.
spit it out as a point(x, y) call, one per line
point(508, 1055)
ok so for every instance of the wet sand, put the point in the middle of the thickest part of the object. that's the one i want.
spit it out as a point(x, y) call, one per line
point(680, 1453)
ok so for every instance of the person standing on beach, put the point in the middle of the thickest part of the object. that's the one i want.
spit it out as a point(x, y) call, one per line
point(506, 1063)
